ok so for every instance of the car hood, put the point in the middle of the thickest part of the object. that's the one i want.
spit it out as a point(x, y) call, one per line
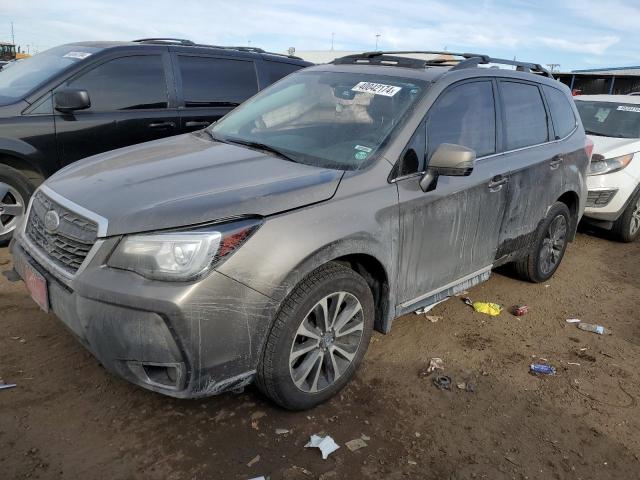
point(611, 147)
point(187, 180)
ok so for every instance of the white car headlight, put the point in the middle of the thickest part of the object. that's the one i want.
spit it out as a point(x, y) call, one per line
point(600, 165)
point(180, 256)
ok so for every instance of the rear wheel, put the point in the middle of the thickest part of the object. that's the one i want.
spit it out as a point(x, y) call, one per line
point(15, 191)
point(318, 338)
point(627, 227)
point(548, 247)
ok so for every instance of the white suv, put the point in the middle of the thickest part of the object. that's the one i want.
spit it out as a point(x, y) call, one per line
point(613, 123)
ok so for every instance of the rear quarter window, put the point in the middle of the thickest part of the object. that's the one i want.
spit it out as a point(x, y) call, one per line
point(525, 115)
point(564, 121)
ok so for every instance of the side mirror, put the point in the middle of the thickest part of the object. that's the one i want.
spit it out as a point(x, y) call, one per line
point(70, 99)
point(449, 160)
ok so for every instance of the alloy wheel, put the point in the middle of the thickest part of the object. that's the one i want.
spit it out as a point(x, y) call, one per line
point(12, 208)
point(635, 219)
point(326, 342)
point(553, 244)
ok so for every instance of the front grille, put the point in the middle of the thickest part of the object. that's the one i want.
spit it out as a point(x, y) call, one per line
point(69, 244)
point(599, 198)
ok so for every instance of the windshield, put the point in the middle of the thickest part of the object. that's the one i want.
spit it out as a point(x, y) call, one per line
point(609, 119)
point(25, 75)
point(325, 119)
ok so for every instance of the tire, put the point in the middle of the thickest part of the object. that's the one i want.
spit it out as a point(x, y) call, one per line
point(627, 227)
point(15, 192)
point(547, 249)
point(281, 372)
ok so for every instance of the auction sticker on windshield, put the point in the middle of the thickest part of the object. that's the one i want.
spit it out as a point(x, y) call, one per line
point(628, 108)
point(376, 89)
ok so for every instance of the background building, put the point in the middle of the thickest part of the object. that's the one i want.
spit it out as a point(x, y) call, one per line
point(618, 81)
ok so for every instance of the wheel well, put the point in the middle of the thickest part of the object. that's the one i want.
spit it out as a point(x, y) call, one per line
point(376, 277)
point(23, 167)
point(571, 200)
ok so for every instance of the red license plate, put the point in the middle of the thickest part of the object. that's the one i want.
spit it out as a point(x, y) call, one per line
point(37, 286)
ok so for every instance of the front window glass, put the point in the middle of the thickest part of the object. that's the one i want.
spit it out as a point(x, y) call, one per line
point(610, 119)
point(326, 119)
point(27, 74)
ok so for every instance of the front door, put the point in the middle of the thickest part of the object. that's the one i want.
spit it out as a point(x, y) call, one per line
point(450, 234)
point(129, 105)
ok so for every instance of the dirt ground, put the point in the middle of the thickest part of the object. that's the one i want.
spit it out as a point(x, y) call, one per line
point(69, 418)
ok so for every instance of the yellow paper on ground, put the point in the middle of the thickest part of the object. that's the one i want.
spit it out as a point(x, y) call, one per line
point(492, 309)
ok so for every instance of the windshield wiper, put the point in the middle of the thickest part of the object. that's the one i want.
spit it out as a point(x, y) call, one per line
point(591, 132)
point(260, 146)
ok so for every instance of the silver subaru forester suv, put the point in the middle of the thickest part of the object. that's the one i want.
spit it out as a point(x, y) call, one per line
point(268, 246)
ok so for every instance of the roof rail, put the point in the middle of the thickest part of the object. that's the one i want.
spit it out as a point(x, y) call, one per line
point(473, 62)
point(164, 40)
point(189, 43)
point(464, 60)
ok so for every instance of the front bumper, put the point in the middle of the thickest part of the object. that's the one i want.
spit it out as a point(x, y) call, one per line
point(610, 194)
point(181, 339)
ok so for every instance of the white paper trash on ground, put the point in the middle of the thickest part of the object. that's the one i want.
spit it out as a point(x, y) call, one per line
point(326, 445)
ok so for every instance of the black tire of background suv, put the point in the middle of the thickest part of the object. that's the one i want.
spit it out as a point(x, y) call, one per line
point(273, 377)
point(622, 227)
point(22, 184)
point(529, 267)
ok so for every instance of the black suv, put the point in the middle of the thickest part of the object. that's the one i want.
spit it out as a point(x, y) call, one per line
point(86, 98)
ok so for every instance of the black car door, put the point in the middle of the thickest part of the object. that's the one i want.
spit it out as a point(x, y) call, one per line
point(130, 103)
point(209, 87)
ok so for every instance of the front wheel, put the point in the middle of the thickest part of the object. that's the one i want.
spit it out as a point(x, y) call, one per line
point(627, 227)
point(549, 245)
point(15, 191)
point(318, 338)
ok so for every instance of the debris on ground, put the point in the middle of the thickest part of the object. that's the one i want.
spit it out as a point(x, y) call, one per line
point(573, 363)
point(434, 364)
point(590, 327)
point(411, 462)
point(4, 386)
point(282, 431)
point(253, 461)
point(573, 320)
point(422, 311)
point(355, 444)
point(259, 478)
point(492, 309)
point(364, 437)
point(467, 386)
point(542, 369)
point(520, 310)
point(326, 445)
point(443, 382)
point(433, 318)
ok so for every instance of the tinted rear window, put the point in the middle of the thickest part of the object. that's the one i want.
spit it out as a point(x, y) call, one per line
point(210, 82)
point(277, 70)
point(562, 115)
point(525, 115)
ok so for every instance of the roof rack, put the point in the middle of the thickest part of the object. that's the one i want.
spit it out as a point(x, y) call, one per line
point(189, 43)
point(465, 60)
point(166, 40)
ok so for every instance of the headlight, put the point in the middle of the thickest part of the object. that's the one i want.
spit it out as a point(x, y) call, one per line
point(599, 165)
point(181, 256)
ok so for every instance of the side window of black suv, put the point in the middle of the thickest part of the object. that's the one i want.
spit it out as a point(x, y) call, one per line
point(126, 83)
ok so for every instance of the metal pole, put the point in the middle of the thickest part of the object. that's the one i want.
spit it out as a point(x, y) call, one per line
point(377, 37)
point(13, 37)
point(332, 34)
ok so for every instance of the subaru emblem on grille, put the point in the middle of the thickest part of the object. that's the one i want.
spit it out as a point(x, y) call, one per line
point(51, 221)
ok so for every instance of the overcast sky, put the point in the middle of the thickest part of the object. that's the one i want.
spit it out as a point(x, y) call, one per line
point(573, 33)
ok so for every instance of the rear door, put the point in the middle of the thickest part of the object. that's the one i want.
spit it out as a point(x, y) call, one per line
point(535, 161)
point(209, 87)
point(130, 103)
point(450, 234)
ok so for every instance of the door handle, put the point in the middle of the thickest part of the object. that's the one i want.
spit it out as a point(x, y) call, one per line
point(497, 182)
point(160, 125)
point(556, 162)
point(197, 124)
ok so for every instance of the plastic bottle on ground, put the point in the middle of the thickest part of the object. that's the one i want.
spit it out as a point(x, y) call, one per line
point(590, 327)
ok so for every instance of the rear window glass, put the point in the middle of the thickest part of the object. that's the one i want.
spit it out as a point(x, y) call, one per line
point(525, 115)
point(561, 112)
point(211, 82)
